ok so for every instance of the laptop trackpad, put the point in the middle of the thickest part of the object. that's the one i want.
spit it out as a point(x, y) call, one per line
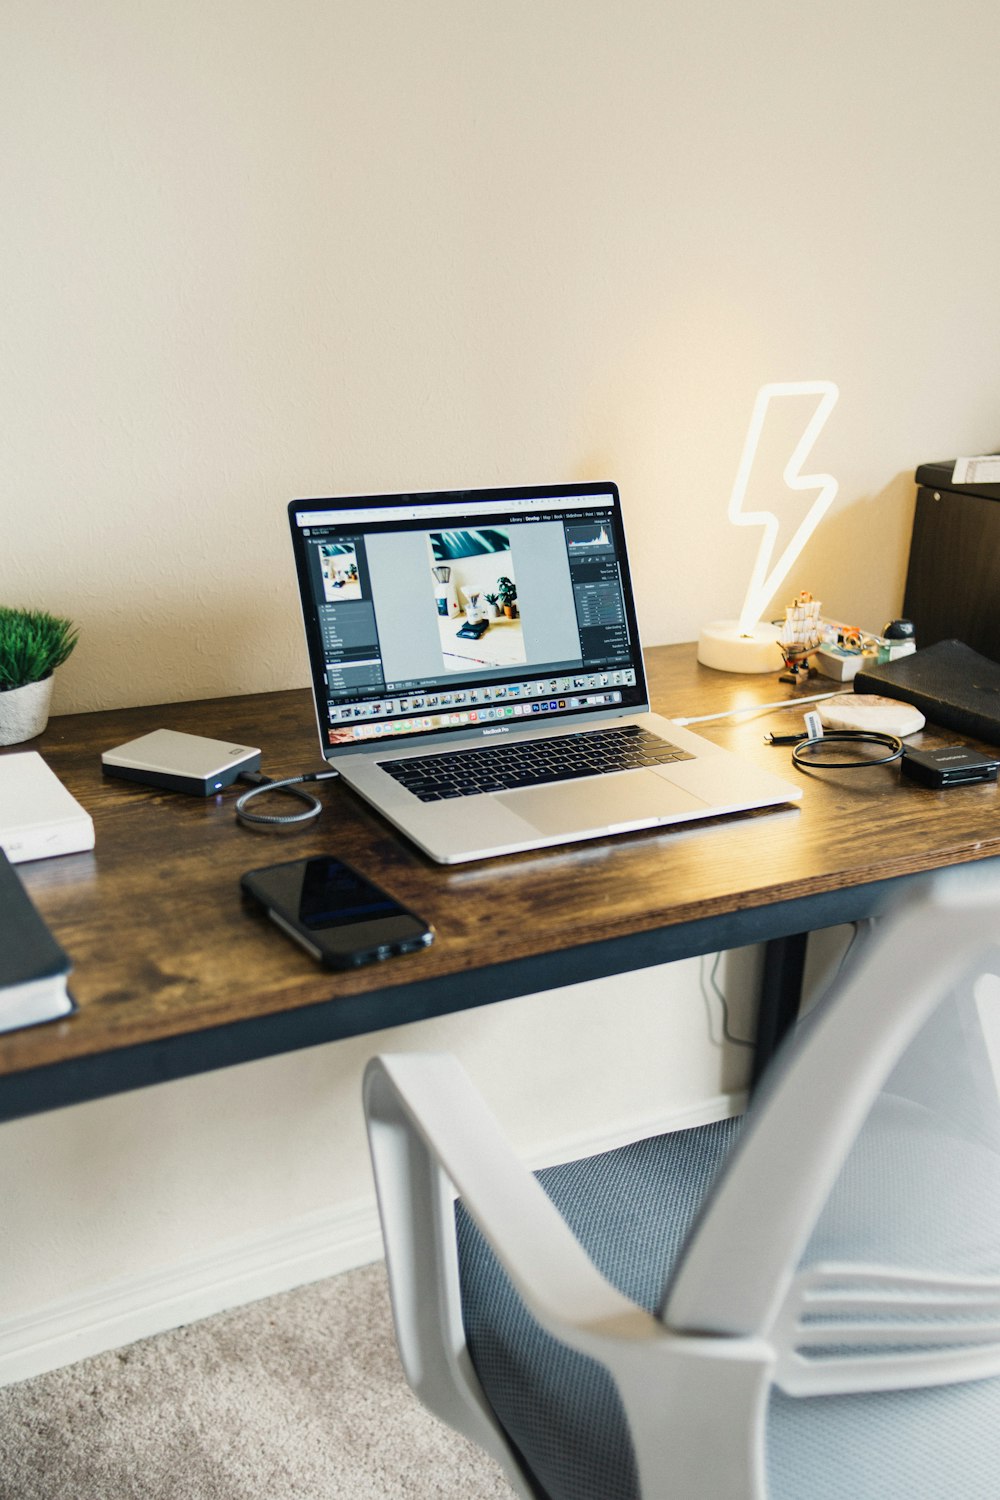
point(637, 798)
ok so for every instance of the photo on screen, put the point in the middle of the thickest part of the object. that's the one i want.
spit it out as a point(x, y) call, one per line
point(338, 563)
point(475, 599)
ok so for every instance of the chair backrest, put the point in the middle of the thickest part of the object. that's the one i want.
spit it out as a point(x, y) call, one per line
point(857, 1223)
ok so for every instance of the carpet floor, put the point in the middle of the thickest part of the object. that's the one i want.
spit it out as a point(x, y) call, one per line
point(296, 1397)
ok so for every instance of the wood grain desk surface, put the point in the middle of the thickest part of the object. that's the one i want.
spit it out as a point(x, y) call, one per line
point(172, 973)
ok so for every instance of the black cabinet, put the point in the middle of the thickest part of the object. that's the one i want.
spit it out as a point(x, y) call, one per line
point(953, 576)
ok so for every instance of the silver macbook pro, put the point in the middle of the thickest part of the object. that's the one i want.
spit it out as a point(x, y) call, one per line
point(478, 676)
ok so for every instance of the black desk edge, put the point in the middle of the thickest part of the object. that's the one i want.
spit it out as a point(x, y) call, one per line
point(103, 1074)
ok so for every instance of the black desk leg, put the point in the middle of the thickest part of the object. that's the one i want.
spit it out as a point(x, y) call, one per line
point(780, 994)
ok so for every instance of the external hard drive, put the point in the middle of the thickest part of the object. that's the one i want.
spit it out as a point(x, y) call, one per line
point(180, 762)
point(950, 765)
point(38, 815)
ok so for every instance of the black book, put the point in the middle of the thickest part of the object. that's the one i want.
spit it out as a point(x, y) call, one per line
point(33, 967)
point(950, 683)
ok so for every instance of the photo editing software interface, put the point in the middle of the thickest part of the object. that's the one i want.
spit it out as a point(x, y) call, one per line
point(425, 620)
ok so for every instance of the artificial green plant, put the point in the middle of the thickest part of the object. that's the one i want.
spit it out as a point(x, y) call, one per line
point(32, 644)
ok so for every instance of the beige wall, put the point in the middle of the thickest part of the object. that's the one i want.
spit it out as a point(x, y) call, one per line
point(257, 250)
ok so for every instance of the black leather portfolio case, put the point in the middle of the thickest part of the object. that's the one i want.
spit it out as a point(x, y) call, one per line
point(951, 684)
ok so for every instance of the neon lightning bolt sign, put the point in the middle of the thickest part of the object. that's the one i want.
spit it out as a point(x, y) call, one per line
point(769, 572)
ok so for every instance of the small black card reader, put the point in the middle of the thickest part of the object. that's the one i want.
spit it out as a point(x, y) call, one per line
point(950, 765)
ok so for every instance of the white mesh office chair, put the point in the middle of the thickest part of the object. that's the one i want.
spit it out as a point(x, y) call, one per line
point(803, 1305)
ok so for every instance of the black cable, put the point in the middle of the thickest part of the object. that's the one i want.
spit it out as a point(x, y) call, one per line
point(708, 977)
point(290, 786)
point(806, 762)
point(737, 1041)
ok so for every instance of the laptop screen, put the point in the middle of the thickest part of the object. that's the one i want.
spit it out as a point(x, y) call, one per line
point(432, 613)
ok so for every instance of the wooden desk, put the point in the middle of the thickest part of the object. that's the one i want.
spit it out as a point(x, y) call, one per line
point(174, 976)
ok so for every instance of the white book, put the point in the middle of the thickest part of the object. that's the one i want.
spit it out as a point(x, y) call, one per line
point(39, 817)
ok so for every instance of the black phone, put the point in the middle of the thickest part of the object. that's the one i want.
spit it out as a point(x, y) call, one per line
point(336, 914)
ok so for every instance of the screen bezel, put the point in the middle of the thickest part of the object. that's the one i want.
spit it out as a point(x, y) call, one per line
point(464, 502)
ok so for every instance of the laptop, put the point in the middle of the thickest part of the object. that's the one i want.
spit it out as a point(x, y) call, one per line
point(478, 677)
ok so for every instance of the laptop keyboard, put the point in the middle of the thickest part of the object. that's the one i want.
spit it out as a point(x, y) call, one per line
point(501, 768)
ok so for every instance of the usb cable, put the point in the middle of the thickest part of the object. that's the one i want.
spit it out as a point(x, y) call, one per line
point(290, 786)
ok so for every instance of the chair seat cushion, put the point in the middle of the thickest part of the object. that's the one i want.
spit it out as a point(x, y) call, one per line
point(631, 1209)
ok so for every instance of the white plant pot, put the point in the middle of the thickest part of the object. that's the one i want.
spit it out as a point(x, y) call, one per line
point(24, 711)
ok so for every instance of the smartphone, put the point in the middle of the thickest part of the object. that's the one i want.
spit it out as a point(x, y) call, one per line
point(337, 915)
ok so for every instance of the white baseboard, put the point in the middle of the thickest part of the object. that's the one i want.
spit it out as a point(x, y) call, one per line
point(718, 1107)
point(257, 1265)
point(134, 1307)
